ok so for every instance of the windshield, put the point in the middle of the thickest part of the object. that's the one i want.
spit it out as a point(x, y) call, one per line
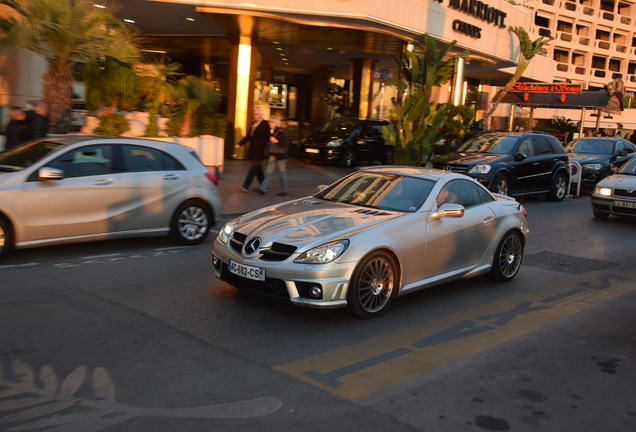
point(26, 155)
point(490, 144)
point(592, 146)
point(339, 126)
point(379, 190)
point(629, 168)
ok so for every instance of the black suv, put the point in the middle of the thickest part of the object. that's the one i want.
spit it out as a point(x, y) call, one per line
point(512, 164)
point(347, 141)
point(598, 156)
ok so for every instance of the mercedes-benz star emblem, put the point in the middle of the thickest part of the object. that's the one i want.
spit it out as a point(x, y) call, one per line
point(251, 247)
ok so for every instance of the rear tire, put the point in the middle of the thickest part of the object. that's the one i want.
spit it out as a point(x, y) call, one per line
point(600, 214)
point(191, 222)
point(508, 257)
point(373, 285)
point(6, 236)
point(559, 188)
point(348, 159)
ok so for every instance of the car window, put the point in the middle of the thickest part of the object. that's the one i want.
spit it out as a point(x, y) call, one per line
point(541, 146)
point(557, 147)
point(85, 161)
point(499, 144)
point(526, 147)
point(26, 155)
point(631, 147)
point(462, 192)
point(142, 159)
point(592, 146)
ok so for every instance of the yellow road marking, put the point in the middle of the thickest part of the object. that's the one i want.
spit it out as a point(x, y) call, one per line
point(362, 369)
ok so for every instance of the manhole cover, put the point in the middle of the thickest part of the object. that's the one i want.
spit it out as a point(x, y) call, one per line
point(565, 263)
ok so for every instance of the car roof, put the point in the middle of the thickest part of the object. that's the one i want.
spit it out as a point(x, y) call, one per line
point(411, 171)
point(74, 139)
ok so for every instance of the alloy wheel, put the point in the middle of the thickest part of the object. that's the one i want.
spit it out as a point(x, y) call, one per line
point(377, 281)
point(560, 187)
point(3, 238)
point(510, 255)
point(502, 186)
point(193, 223)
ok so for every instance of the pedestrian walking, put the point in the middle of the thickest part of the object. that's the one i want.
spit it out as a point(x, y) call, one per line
point(276, 157)
point(37, 121)
point(16, 132)
point(258, 137)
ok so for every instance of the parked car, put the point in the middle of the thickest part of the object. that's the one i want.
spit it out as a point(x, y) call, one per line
point(376, 234)
point(598, 157)
point(348, 141)
point(616, 194)
point(81, 188)
point(512, 163)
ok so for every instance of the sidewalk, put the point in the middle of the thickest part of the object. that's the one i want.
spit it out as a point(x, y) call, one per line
point(303, 180)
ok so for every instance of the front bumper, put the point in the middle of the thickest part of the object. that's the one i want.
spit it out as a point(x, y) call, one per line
point(286, 279)
point(329, 154)
point(608, 204)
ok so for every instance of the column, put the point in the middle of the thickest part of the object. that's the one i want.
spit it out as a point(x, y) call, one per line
point(458, 81)
point(362, 91)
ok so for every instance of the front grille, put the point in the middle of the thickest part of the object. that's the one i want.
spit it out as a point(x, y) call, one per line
point(452, 168)
point(278, 252)
point(237, 241)
point(625, 211)
point(625, 193)
point(270, 286)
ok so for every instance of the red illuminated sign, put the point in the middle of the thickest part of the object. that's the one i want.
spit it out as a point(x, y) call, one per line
point(525, 87)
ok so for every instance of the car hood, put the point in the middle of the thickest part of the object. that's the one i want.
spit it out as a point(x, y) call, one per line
point(619, 181)
point(325, 137)
point(308, 221)
point(587, 158)
point(472, 158)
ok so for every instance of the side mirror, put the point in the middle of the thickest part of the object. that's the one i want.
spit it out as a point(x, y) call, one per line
point(321, 187)
point(520, 156)
point(47, 173)
point(448, 210)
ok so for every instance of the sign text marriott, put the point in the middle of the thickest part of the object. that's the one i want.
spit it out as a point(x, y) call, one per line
point(480, 10)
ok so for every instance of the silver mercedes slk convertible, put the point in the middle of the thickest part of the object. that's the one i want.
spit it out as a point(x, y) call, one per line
point(371, 236)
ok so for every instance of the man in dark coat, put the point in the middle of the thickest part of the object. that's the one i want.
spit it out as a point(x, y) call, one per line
point(16, 129)
point(258, 137)
point(37, 121)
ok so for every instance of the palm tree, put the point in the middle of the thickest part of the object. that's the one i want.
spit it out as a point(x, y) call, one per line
point(111, 84)
point(157, 82)
point(527, 50)
point(65, 32)
point(192, 93)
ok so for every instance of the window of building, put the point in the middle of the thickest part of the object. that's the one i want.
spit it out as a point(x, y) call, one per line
point(582, 30)
point(619, 38)
point(541, 21)
point(607, 5)
point(631, 68)
point(578, 59)
point(586, 2)
point(598, 62)
point(615, 65)
point(624, 9)
point(602, 35)
point(564, 26)
point(561, 56)
point(634, 41)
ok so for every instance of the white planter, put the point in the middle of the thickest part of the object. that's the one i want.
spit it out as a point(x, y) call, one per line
point(91, 122)
point(209, 148)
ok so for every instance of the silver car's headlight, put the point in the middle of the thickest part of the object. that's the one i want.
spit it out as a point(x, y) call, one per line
point(480, 169)
point(603, 191)
point(593, 167)
point(323, 254)
point(226, 232)
point(335, 143)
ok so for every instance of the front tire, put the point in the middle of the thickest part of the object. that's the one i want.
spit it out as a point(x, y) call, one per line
point(600, 214)
point(559, 188)
point(501, 185)
point(348, 159)
point(191, 223)
point(508, 257)
point(6, 236)
point(373, 285)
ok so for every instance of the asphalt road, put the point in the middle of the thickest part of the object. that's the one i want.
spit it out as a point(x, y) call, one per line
point(138, 335)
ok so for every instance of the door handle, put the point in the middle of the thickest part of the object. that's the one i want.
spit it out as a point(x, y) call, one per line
point(102, 182)
point(488, 220)
point(170, 177)
point(535, 163)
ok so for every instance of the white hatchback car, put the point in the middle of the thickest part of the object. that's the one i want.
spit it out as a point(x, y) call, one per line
point(85, 188)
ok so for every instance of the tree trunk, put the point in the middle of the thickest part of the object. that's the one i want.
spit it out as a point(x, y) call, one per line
point(186, 126)
point(521, 68)
point(57, 91)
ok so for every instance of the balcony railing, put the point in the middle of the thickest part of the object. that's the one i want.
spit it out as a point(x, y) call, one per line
point(617, 75)
point(548, 2)
point(603, 44)
point(562, 67)
point(607, 15)
point(621, 48)
point(544, 32)
point(584, 40)
point(588, 11)
point(580, 70)
point(565, 36)
point(632, 78)
point(598, 73)
point(626, 20)
point(570, 6)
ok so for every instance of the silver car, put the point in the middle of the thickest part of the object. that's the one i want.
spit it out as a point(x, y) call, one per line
point(616, 194)
point(81, 188)
point(376, 234)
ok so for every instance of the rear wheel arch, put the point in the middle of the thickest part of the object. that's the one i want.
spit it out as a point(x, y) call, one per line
point(10, 234)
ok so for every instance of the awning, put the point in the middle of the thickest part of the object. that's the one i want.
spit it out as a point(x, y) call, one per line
point(585, 99)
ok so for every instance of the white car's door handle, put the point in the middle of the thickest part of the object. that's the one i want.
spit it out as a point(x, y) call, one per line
point(488, 220)
point(170, 177)
point(102, 182)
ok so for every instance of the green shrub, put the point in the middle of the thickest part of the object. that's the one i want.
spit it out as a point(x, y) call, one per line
point(112, 125)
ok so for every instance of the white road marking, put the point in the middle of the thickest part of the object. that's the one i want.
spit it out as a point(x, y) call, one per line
point(101, 256)
point(19, 265)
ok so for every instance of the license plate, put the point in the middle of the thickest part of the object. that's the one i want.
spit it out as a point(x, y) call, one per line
point(310, 150)
point(625, 204)
point(248, 272)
